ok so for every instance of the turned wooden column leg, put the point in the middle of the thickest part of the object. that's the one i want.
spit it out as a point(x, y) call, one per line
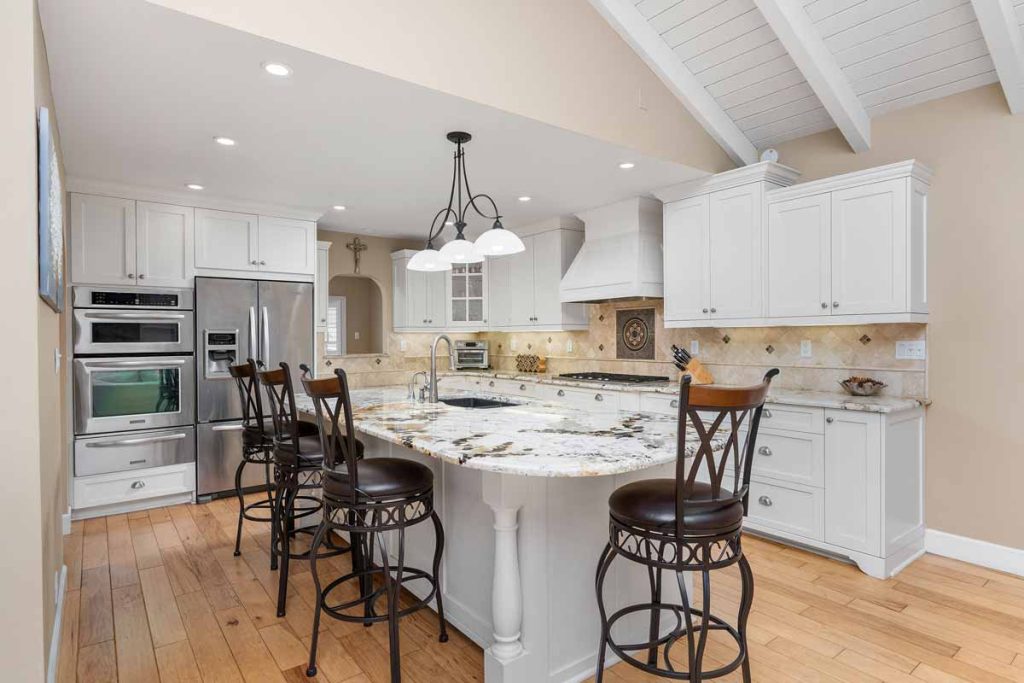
point(506, 591)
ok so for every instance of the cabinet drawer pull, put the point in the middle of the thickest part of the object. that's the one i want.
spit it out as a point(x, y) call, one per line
point(764, 450)
point(138, 484)
point(136, 462)
point(765, 500)
point(131, 276)
point(142, 276)
point(491, 383)
point(767, 414)
point(598, 397)
point(522, 387)
point(561, 392)
point(830, 420)
point(674, 403)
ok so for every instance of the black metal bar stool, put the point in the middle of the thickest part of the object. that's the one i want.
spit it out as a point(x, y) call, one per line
point(692, 523)
point(298, 459)
point(367, 498)
point(257, 440)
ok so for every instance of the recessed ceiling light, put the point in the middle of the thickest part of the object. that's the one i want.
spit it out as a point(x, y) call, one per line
point(339, 207)
point(221, 140)
point(277, 69)
point(194, 186)
point(626, 165)
point(524, 198)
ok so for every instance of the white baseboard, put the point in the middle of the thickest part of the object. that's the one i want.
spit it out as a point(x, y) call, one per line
point(1000, 557)
point(58, 619)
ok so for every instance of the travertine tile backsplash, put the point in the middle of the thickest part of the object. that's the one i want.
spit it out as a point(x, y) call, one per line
point(838, 352)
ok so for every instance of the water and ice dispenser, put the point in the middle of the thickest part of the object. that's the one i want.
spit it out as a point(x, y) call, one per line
point(220, 352)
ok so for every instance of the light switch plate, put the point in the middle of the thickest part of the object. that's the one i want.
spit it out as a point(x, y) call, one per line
point(356, 335)
point(911, 350)
point(694, 347)
point(512, 344)
point(568, 346)
point(403, 345)
point(806, 349)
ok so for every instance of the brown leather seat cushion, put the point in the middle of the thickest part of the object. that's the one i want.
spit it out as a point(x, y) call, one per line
point(381, 478)
point(310, 451)
point(652, 503)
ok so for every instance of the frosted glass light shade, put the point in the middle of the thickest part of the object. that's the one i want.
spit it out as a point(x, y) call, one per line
point(428, 260)
point(461, 251)
point(499, 242)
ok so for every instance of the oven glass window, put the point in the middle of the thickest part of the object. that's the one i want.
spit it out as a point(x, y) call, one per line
point(134, 332)
point(135, 392)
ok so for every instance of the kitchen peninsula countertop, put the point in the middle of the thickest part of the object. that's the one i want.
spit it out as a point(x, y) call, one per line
point(794, 397)
point(531, 438)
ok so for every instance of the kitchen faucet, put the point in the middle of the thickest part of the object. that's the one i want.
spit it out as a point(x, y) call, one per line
point(432, 395)
point(412, 385)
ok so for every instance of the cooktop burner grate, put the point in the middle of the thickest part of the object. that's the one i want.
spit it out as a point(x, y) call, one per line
point(613, 377)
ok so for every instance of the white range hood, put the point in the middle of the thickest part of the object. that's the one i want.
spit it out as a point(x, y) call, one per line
point(621, 254)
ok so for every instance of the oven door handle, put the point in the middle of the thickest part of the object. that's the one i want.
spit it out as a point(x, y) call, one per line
point(132, 363)
point(135, 442)
point(98, 315)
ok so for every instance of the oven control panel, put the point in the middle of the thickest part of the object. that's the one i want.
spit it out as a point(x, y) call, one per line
point(132, 297)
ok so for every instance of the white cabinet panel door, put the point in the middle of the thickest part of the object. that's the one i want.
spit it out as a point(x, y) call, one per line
point(165, 253)
point(869, 248)
point(547, 277)
point(853, 445)
point(415, 298)
point(287, 245)
point(102, 240)
point(321, 284)
point(226, 241)
point(521, 308)
point(736, 255)
point(799, 257)
point(687, 259)
point(437, 302)
point(498, 291)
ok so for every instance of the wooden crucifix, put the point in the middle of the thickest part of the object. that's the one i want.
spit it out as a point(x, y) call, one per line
point(357, 247)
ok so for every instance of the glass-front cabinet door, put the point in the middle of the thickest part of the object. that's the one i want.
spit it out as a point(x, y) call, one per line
point(467, 295)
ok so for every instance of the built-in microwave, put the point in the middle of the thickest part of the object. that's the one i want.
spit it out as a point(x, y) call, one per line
point(108, 321)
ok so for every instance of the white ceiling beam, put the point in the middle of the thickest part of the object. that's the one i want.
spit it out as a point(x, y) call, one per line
point(1006, 45)
point(645, 41)
point(798, 35)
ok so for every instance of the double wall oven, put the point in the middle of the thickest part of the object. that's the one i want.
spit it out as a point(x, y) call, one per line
point(134, 378)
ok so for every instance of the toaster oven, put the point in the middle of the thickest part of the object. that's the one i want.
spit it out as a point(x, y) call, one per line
point(471, 354)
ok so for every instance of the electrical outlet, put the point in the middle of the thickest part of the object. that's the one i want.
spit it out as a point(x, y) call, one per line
point(512, 344)
point(356, 335)
point(568, 346)
point(805, 348)
point(694, 347)
point(910, 350)
point(403, 345)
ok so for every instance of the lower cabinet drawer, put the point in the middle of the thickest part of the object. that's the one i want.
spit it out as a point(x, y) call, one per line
point(796, 510)
point(796, 418)
point(660, 404)
point(790, 456)
point(123, 487)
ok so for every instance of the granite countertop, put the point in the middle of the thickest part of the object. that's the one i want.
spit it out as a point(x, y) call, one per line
point(532, 438)
point(795, 397)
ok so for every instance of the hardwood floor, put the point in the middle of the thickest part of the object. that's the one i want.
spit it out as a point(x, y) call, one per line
point(159, 595)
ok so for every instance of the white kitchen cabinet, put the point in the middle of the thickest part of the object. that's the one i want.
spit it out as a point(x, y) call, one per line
point(321, 283)
point(285, 245)
point(118, 241)
point(853, 480)
point(102, 240)
point(714, 246)
point(418, 298)
point(164, 253)
point(500, 299)
point(799, 257)
point(466, 296)
point(226, 240)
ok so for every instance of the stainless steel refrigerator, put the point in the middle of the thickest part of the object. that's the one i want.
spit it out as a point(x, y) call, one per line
point(235, 320)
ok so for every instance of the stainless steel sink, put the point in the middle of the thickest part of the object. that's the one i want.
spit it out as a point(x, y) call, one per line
point(476, 402)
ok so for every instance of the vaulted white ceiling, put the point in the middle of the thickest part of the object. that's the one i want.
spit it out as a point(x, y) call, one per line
point(781, 69)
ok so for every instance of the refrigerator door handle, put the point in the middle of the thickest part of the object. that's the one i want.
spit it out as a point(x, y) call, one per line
point(266, 336)
point(253, 350)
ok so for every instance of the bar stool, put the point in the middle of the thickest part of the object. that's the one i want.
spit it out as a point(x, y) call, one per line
point(257, 440)
point(692, 523)
point(298, 459)
point(367, 498)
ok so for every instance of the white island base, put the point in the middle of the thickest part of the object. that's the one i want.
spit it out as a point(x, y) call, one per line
point(520, 558)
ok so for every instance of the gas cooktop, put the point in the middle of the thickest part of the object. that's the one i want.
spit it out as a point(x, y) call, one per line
point(612, 377)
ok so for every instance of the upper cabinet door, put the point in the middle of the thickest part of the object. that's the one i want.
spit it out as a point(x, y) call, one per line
point(287, 246)
point(226, 241)
point(165, 255)
point(521, 308)
point(547, 277)
point(467, 295)
point(736, 256)
point(102, 240)
point(437, 301)
point(869, 248)
point(499, 294)
point(416, 296)
point(799, 257)
point(686, 245)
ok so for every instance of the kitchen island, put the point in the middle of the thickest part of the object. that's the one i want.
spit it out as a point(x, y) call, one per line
point(522, 492)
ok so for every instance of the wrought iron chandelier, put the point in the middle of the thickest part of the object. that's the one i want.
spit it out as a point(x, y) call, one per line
point(495, 242)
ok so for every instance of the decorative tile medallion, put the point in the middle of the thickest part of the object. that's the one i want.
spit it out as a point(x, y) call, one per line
point(635, 339)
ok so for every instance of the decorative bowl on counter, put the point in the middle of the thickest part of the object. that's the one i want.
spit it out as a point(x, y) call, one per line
point(862, 386)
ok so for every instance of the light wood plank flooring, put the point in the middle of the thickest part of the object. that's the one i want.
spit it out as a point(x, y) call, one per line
point(159, 595)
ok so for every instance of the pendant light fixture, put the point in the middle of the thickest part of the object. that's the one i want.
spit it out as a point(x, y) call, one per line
point(495, 242)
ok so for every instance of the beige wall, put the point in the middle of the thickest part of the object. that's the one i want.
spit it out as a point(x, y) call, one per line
point(554, 61)
point(26, 582)
point(975, 460)
point(364, 319)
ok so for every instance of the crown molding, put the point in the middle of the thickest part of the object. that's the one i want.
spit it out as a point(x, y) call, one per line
point(764, 171)
point(910, 168)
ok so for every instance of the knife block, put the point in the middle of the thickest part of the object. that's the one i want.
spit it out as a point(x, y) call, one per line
point(699, 374)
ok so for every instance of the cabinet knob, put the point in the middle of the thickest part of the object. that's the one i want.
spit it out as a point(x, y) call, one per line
point(598, 397)
point(830, 420)
point(561, 392)
point(138, 484)
point(835, 304)
point(824, 304)
point(255, 263)
point(263, 263)
point(142, 276)
point(714, 310)
point(764, 450)
point(522, 387)
point(703, 310)
point(131, 276)
point(490, 384)
point(766, 501)
point(674, 403)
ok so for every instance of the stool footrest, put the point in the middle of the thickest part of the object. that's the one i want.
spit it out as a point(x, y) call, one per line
point(408, 574)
